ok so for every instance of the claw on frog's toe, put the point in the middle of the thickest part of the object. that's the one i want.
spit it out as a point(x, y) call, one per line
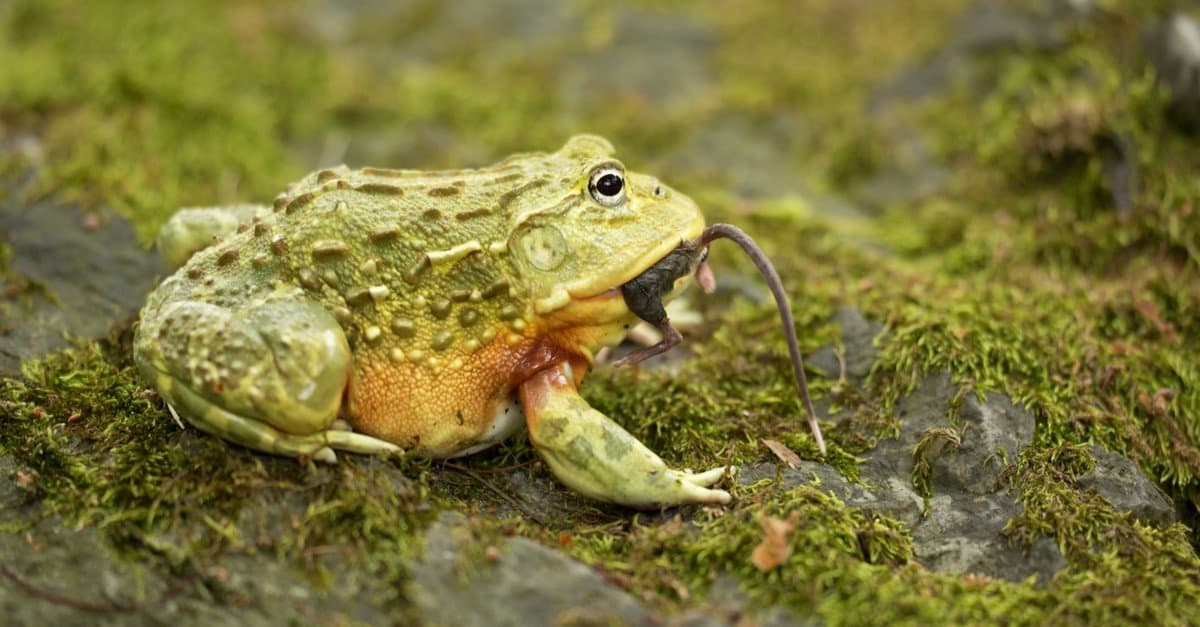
point(691, 492)
point(326, 455)
point(175, 415)
point(710, 477)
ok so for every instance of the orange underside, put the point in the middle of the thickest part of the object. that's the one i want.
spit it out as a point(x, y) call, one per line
point(444, 413)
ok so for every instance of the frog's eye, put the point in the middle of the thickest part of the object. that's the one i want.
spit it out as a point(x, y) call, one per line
point(607, 186)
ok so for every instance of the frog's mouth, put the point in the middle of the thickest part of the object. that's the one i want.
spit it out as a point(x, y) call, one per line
point(644, 294)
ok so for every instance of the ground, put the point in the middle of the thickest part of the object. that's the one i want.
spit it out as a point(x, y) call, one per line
point(984, 213)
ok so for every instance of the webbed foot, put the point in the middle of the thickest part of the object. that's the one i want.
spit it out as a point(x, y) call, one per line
point(594, 456)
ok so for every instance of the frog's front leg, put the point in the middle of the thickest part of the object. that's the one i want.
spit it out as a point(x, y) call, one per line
point(269, 375)
point(596, 457)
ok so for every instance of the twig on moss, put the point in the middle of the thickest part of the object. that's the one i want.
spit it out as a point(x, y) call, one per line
point(487, 484)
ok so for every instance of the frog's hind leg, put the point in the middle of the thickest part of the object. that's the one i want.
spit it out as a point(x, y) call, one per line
point(269, 376)
point(596, 457)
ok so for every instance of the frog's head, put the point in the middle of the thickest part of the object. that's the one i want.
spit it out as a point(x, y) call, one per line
point(585, 225)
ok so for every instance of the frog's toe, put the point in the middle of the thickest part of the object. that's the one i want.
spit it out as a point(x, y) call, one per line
point(359, 443)
point(710, 477)
point(690, 488)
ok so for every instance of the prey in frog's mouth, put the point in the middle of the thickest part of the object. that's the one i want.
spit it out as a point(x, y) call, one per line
point(645, 292)
point(644, 297)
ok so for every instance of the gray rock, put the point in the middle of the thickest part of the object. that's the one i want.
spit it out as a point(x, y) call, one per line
point(857, 338)
point(1123, 485)
point(738, 608)
point(992, 432)
point(961, 531)
point(263, 590)
point(988, 554)
point(17, 506)
point(1173, 48)
point(10, 495)
point(73, 565)
point(455, 583)
point(87, 278)
point(79, 581)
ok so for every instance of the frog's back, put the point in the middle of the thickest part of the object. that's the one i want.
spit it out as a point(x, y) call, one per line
point(375, 246)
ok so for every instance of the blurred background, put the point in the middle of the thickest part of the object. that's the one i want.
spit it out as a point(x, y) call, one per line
point(144, 107)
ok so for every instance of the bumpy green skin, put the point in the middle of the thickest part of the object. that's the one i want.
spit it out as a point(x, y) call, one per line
point(414, 305)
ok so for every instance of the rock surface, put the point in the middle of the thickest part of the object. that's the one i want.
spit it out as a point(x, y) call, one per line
point(1123, 485)
point(1173, 47)
point(10, 495)
point(961, 533)
point(459, 581)
point(84, 276)
point(856, 353)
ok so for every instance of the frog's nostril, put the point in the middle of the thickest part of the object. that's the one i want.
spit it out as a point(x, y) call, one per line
point(659, 192)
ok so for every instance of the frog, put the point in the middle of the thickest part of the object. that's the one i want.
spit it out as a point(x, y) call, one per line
point(436, 313)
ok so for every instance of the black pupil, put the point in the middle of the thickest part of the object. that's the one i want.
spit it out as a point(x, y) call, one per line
point(610, 185)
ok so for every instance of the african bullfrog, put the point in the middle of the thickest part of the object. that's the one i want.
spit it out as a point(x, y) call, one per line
point(437, 312)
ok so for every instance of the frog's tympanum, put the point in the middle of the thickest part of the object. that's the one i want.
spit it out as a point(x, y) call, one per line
point(376, 311)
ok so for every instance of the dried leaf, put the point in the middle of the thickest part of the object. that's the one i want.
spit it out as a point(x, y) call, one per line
point(774, 549)
point(785, 454)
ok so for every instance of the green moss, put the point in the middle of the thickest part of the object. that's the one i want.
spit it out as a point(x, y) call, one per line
point(145, 115)
point(1077, 145)
point(1157, 562)
point(847, 567)
point(851, 568)
point(932, 441)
